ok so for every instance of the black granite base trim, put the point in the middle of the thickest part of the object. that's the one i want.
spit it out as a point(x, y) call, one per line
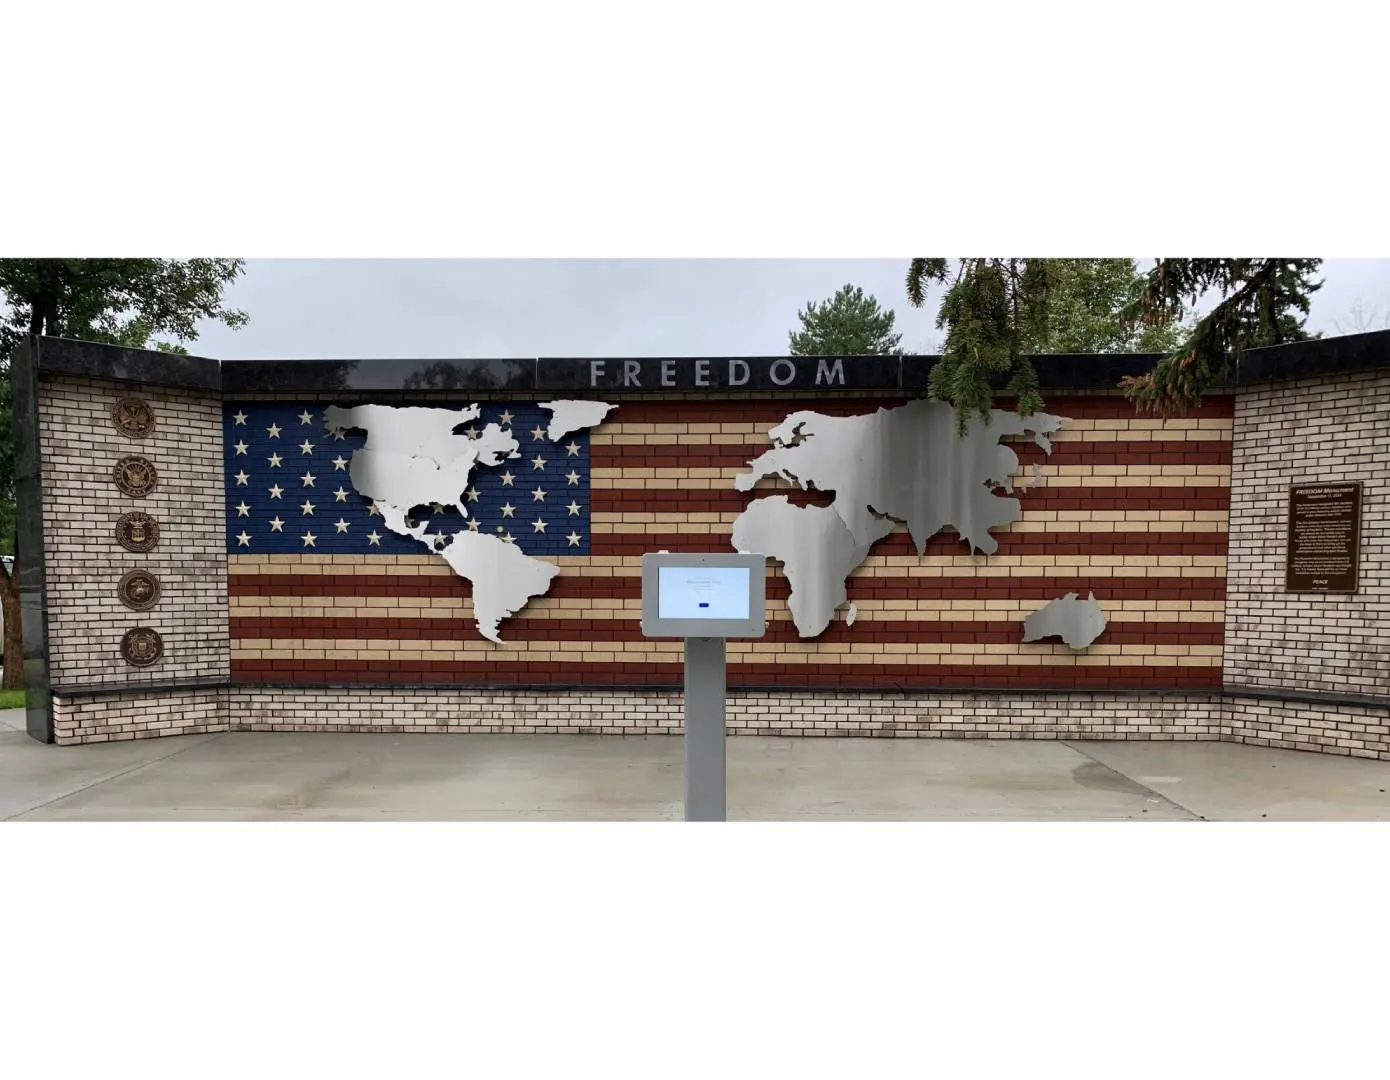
point(1307, 697)
point(67, 356)
point(29, 560)
point(1311, 697)
point(73, 693)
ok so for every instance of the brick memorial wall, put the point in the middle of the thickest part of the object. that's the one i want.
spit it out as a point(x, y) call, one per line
point(310, 625)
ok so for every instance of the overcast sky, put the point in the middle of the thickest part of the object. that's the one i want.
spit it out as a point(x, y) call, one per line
point(677, 307)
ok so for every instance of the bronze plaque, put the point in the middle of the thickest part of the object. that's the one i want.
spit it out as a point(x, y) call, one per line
point(1324, 538)
point(137, 531)
point(139, 589)
point(135, 476)
point(133, 417)
point(142, 646)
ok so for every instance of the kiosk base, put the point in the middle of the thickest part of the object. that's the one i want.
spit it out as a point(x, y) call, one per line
point(704, 729)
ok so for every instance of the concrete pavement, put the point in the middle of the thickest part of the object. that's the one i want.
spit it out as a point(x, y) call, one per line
point(256, 776)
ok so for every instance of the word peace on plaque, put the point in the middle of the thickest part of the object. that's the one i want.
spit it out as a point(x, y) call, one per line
point(137, 531)
point(138, 590)
point(142, 646)
point(133, 417)
point(135, 476)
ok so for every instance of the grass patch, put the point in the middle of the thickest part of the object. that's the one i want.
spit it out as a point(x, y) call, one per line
point(11, 699)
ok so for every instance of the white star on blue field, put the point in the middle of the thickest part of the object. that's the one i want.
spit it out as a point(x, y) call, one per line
point(288, 488)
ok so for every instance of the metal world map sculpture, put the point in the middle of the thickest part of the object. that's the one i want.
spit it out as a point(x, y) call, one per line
point(904, 465)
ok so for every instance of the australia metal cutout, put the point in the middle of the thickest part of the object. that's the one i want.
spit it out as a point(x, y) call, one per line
point(1076, 622)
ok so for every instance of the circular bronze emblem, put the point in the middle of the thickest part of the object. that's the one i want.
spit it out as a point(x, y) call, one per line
point(137, 531)
point(135, 476)
point(133, 417)
point(139, 589)
point(142, 646)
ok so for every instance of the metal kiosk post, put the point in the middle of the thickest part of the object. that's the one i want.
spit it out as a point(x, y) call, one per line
point(704, 599)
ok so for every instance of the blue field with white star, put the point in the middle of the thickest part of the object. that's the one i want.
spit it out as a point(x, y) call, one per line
point(288, 488)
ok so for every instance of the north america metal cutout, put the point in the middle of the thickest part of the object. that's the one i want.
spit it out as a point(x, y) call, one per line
point(419, 456)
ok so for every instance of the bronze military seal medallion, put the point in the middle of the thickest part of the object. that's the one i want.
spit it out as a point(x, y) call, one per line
point(135, 476)
point(142, 646)
point(137, 531)
point(139, 589)
point(133, 417)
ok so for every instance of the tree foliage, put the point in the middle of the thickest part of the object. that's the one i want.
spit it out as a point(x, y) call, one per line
point(1263, 302)
point(996, 312)
point(138, 303)
point(848, 324)
point(118, 301)
point(1087, 303)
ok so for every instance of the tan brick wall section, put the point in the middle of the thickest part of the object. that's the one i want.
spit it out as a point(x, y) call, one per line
point(1290, 725)
point(1308, 431)
point(138, 714)
point(79, 447)
point(1312, 431)
point(810, 713)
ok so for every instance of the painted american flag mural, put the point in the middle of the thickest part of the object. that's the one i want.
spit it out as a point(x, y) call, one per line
point(288, 488)
point(1130, 508)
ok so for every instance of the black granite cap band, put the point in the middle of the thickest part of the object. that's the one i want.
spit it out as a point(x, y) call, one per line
point(634, 375)
point(1325, 356)
point(318, 376)
point(642, 375)
point(1059, 371)
point(66, 356)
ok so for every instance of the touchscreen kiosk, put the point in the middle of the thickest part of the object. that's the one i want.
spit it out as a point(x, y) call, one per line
point(704, 595)
point(704, 598)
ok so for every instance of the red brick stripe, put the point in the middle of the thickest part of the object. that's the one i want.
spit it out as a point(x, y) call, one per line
point(741, 676)
point(737, 455)
point(605, 544)
point(630, 629)
point(947, 543)
point(717, 501)
point(629, 587)
point(1147, 452)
